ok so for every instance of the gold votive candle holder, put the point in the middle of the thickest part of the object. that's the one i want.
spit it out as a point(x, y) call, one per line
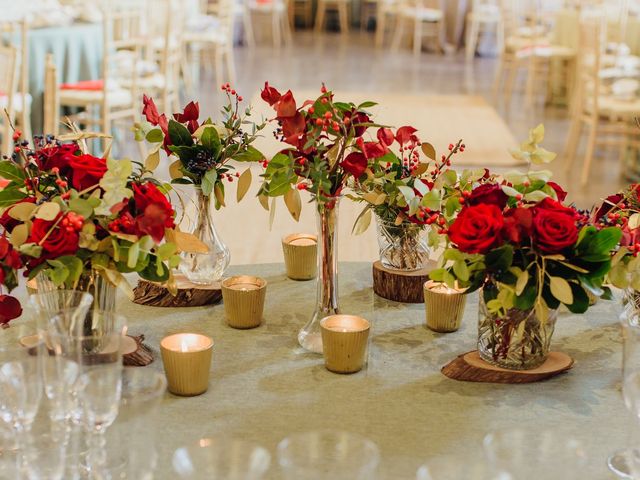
point(243, 297)
point(300, 255)
point(344, 342)
point(444, 306)
point(187, 361)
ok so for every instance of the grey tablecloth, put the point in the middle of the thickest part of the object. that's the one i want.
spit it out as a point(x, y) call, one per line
point(77, 52)
point(263, 387)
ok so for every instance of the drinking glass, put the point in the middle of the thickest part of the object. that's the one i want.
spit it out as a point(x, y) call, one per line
point(131, 438)
point(62, 311)
point(520, 454)
point(619, 462)
point(328, 455)
point(221, 458)
point(44, 451)
point(451, 467)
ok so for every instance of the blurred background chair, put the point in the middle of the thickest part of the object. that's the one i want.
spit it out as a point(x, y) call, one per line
point(427, 20)
point(340, 6)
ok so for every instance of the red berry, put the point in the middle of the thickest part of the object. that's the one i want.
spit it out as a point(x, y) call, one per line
point(323, 89)
point(328, 114)
point(335, 126)
point(519, 196)
point(461, 199)
point(324, 100)
point(319, 122)
point(311, 110)
point(302, 186)
point(233, 92)
point(240, 98)
point(451, 146)
point(237, 174)
point(462, 149)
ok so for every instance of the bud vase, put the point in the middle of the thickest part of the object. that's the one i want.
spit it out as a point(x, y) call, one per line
point(403, 246)
point(205, 268)
point(310, 337)
point(520, 340)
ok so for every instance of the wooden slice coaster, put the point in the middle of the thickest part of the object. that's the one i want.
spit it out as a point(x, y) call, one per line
point(399, 285)
point(469, 367)
point(189, 294)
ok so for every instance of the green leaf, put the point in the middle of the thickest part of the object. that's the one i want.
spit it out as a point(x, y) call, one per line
point(155, 136)
point(499, 259)
point(81, 207)
point(211, 140)
point(251, 154)
point(11, 171)
point(366, 105)
point(10, 196)
point(461, 270)
point(132, 257)
point(580, 300)
point(523, 279)
point(561, 289)
point(208, 181)
point(179, 134)
point(150, 272)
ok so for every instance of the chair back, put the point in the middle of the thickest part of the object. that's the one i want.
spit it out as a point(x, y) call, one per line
point(15, 34)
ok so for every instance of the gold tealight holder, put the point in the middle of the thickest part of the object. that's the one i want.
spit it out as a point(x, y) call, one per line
point(444, 306)
point(187, 361)
point(300, 252)
point(243, 298)
point(344, 342)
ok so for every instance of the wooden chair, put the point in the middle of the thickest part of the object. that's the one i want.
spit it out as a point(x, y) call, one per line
point(427, 19)
point(608, 120)
point(16, 34)
point(386, 10)
point(278, 10)
point(341, 6)
point(484, 14)
point(51, 124)
point(301, 8)
point(218, 43)
point(114, 97)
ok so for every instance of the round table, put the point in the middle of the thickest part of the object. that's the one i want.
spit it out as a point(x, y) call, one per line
point(77, 53)
point(263, 387)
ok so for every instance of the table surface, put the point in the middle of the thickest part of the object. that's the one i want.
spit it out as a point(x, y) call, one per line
point(263, 387)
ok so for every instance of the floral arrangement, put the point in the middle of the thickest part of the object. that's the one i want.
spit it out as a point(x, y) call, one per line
point(204, 149)
point(517, 239)
point(622, 210)
point(66, 212)
point(326, 148)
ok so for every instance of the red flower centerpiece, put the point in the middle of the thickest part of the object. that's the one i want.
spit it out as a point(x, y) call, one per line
point(529, 253)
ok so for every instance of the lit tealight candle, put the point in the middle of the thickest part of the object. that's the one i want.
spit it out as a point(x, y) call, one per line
point(444, 306)
point(300, 252)
point(187, 361)
point(243, 298)
point(344, 342)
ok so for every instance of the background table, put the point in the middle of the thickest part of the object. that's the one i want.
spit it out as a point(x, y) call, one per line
point(263, 387)
point(77, 53)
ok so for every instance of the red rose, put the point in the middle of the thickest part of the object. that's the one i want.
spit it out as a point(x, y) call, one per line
point(355, 164)
point(270, 94)
point(5, 219)
point(148, 194)
point(554, 226)
point(477, 229)
point(153, 222)
point(87, 171)
point(56, 156)
point(560, 193)
point(489, 194)
point(517, 224)
point(55, 242)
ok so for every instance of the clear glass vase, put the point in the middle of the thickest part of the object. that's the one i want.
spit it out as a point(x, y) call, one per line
point(102, 291)
point(327, 280)
point(205, 268)
point(517, 341)
point(403, 246)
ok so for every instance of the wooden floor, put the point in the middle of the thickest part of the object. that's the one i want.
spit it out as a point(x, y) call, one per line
point(352, 64)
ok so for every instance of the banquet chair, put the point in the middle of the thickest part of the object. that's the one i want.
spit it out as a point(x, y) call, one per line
point(217, 42)
point(387, 9)
point(16, 35)
point(278, 11)
point(427, 19)
point(484, 14)
point(114, 97)
point(341, 6)
point(609, 121)
point(527, 46)
point(301, 8)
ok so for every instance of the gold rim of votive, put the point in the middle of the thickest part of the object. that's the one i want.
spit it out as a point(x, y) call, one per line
point(287, 239)
point(328, 322)
point(443, 310)
point(230, 281)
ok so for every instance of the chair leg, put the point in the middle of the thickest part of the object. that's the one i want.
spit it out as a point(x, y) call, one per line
point(231, 67)
point(398, 33)
point(275, 29)
point(573, 139)
point(381, 24)
point(248, 28)
point(320, 15)
point(286, 28)
point(510, 80)
point(473, 31)
point(497, 81)
point(417, 37)
point(588, 157)
point(344, 17)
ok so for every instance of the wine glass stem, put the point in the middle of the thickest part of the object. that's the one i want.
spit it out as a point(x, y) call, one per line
point(97, 451)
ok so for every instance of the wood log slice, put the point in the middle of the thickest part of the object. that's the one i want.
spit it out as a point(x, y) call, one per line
point(469, 367)
point(189, 294)
point(399, 285)
point(136, 353)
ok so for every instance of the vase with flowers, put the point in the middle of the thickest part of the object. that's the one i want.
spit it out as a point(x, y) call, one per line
point(205, 153)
